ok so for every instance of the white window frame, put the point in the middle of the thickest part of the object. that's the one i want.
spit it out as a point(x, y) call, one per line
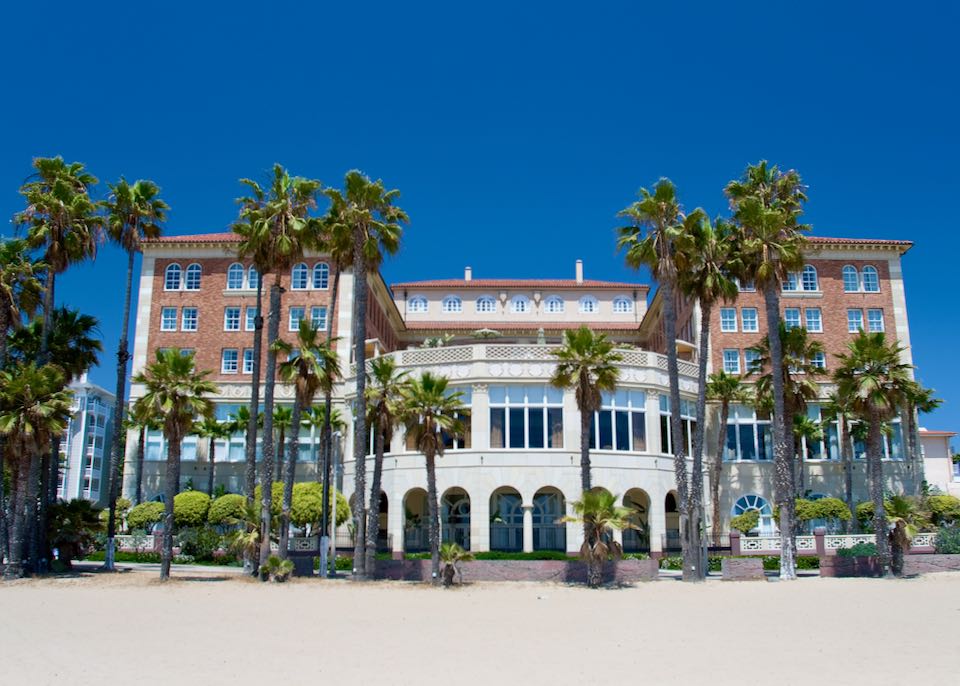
point(786, 318)
point(554, 304)
point(588, 305)
point(486, 304)
point(318, 317)
point(229, 364)
point(726, 325)
point(165, 319)
point(195, 320)
point(171, 269)
point(193, 272)
point(452, 304)
point(727, 367)
point(870, 269)
point(755, 318)
point(520, 304)
point(418, 304)
point(819, 360)
point(748, 357)
point(850, 271)
point(792, 284)
point(299, 277)
point(806, 280)
point(871, 321)
point(247, 361)
point(228, 319)
point(253, 277)
point(235, 269)
point(851, 320)
point(818, 320)
point(290, 318)
point(320, 275)
point(622, 305)
point(250, 318)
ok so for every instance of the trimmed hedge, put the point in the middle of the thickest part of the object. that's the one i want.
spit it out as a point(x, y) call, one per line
point(144, 515)
point(226, 508)
point(190, 509)
point(306, 506)
point(858, 550)
point(944, 509)
point(746, 522)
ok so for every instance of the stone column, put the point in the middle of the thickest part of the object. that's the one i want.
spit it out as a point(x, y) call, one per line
point(480, 524)
point(528, 528)
point(395, 522)
point(480, 417)
point(657, 522)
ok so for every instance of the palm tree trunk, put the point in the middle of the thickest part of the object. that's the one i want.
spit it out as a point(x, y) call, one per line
point(695, 509)
point(433, 528)
point(118, 414)
point(141, 449)
point(782, 463)
point(281, 439)
point(266, 469)
point(48, 304)
point(213, 465)
point(676, 431)
point(14, 569)
point(585, 480)
point(847, 458)
point(717, 469)
point(913, 445)
point(325, 442)
point(172, 487)
point(250, 472)
point(289, 473)
point(875, 464)
point(360, 439)
point(373, 517)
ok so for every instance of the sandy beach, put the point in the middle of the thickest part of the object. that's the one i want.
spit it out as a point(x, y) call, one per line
point(129, 628)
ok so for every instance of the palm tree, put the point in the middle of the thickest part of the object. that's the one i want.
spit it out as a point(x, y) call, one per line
point(428, 410)
point(305, 370)
point(840, 410)
point(656, 222)
point(767, 205)
point(384, 393)
point(586, 363)
point(282, 419)
point(134, 212)
point(452, 555)
point(61, 220)
point(705, 253)
point(176, 393)
point(34, 405)
point(277, 230)
point(213, 430)
point(365, 211)
point(809, 430)
point(725, 389)
point(600, 514)
point(141, 419)
point(919, 400)
point(20, 288)
point(876, 381)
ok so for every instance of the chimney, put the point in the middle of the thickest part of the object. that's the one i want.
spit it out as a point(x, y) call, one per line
point(579, 271)
point(468, 274)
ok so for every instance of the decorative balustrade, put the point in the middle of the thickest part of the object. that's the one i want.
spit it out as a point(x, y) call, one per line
point(847, 540)
point(135, 542)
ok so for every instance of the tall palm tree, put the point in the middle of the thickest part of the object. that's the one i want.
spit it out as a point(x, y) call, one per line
point(365, 211)
point(282, 420)
point(840, 410)
point(34, 405)
point(428, 410)
point(176, 393)
point(874, 378)
point(706, 256)
point(278, 229)
point(384, 392)
point(305, 370)
point(213, 430)
point(805, 429)
point(725, 389)
point(140, 419)
point(21, 288)
point(586, 363)
point(656, 222)
point(767, 205)
point(600, 514)
point(919, 400)
point(133, 212)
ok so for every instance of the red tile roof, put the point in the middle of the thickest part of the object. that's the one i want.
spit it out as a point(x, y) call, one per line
point(827, 240)
point(455, 325)
point(520, 283)
point(224, 237)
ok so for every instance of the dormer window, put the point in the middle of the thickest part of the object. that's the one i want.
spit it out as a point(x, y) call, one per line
point(553, 305)
point(520, 304)
point(622, 305)
point(588, 304)
point(417, 304)
point(486, 304)
point(452, 305)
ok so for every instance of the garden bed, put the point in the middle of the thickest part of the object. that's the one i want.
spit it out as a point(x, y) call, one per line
point(571, 571)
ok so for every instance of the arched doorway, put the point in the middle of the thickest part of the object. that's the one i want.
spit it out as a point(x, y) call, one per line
point(415, 521)
point(637, 540)
point(671, 511)
point(455, 517)
point(549, 533)
point(506, 520)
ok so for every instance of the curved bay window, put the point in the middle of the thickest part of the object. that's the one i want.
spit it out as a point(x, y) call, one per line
point(688, 421)
point(748, 437)
point(461, 442)
point(620, 424)
point(526, 417)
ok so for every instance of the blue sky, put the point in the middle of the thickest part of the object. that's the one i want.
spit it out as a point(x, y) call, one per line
point(515, 133)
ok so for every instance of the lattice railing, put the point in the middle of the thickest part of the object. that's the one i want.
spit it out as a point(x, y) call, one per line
point(847, 540)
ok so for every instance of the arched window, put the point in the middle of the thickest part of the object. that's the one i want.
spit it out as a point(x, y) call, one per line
point(171, 277)
point(253, 277)
point(520, 304)
point(486, 303)
point(851, 279)
point(588, 304)
point(553, 305)
point(321, 275)
point(417, 304)
point(298, 277)
point(235, 276)
point(191, 280)
point(452, 304)
point(809, 278)
point(754, 502)
point(871, 281)
point(622, 305)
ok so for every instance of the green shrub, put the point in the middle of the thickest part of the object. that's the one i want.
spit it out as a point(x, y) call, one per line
point(865, 516)
point(636, 556)
point(72, 528)
point(306, 505)
point(858, 550)
point(948, 539)
point(226, 508)
point(827, 508)
point(200, 543)
point(190, 509)
point(673, 563)
point(746, 522)
point(944, 509)
point(144, 515)
point(343, 563)
point(276, 569)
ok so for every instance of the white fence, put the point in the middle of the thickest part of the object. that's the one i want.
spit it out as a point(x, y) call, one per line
point(771, 544)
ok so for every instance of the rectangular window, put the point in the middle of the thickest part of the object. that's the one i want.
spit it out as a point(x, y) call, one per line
point(228, 361)
point(728, 319)
point(731, 361)
point(248, 360)
point(854, 321)
point(296, 314)
point(792, 283)
point(875, 320)
point(745, 286)
point(189, 319)
point(526, 417)
point(819, 360)
point(168, 319)
point(687, 419)
point(751, 359)
point(748, 318)
point(748, 438)
point(250, 319)
point(231, 319)
point(814, 320)
point(318, 317)
point(791, 317)
point(620, 424)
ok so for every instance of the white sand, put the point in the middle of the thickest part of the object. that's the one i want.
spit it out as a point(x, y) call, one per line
point(129, 629)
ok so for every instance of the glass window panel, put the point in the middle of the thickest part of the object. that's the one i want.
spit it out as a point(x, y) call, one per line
point(638, 399)
point(747, 449)
point(554, 395)
point(534, 394)
point(536, 427)
point(555, 427)
point(620, 398)
point(606, 430)
point(622, 430)
point(664, 434)
point(517, 427)
point(498, 394)
point(639, 421)
point(730, 452)
point(765, 438)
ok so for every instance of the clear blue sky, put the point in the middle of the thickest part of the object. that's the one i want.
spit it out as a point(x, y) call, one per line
point(514, 132)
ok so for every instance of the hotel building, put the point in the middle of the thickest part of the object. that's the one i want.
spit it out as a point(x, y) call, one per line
point(506, 482)
point(86, 444)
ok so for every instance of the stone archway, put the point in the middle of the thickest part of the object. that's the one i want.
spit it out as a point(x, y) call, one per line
point(506, 519)
point(415, 532)
point(637, 540)
point(455, 517)
point(549, 533)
